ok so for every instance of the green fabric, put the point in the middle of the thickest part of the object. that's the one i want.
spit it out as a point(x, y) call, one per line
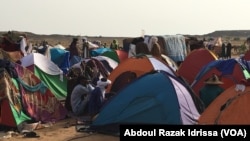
point(19, 116)
point(111, 54)
point(41, 86)
point(15, 82)
point(209, 92)
point(246, 74)
point(57, 87)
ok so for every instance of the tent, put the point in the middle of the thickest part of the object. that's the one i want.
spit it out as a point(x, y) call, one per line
point(74, 60)
point(37, 99)
point(11, 112)
point(156, 97)
point(171, 63)
point(107, 62)
point(24, 97)
point(230, 108)
point(246, 56)
point(99, 51)
point(194, 63)
point(61, 58)
point(13, 56)
point(47, 71)
point(117, 55)
point(134, 67)
point(230, 71)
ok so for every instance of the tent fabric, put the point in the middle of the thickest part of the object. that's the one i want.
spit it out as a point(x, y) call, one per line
point(122, 55)
point(194, 62)
point(246, 64)
point(230, 107)
point(13, 56)
point(139, 66)
point(246, 56)
point(42, 62)
point(61, 58)
point(11, 111)
point(39, 101)
point(48, 72)
point(153, 98)
point(112, 54)
point(109, 61)
point(59, 46)
point(74, 60)
point(170, 62)
point(230, 71)
point(99, 51)
point(54, 83)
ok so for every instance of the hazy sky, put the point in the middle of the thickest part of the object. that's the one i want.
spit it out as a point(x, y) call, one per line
point(124, 17)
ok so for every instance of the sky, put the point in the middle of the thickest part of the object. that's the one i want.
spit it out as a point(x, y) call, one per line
point(124, 18)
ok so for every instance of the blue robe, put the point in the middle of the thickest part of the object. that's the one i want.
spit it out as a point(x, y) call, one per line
point(96, 101)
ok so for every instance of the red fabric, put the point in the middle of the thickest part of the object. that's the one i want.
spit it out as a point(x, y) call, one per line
point(123, 55)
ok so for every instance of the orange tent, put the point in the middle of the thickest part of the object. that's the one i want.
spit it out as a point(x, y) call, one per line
point(230, 107)
point(134, 67)
point(194, 62)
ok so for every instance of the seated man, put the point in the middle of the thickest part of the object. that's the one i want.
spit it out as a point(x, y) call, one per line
point(97, 97)
point(80, 96)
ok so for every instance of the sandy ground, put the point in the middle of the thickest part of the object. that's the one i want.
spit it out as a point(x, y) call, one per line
point(59, 132)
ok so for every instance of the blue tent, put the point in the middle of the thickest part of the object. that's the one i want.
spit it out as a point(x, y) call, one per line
point(229, 71)
point(74, 60)
point(154, 98)
point(61, 58)
point(99, 51)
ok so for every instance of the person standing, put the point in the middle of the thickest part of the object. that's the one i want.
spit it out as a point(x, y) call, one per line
point(141, 48)
point(152, 41)
point(114, 45)
point(156, 51)
point(223, 50)
point(229, 48)
point(85, 48)
point(211, 90)
point(73, 48)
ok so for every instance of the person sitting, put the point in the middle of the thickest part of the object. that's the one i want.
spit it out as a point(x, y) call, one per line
point(97, 97)
point(80, 96)
point(211, 90)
